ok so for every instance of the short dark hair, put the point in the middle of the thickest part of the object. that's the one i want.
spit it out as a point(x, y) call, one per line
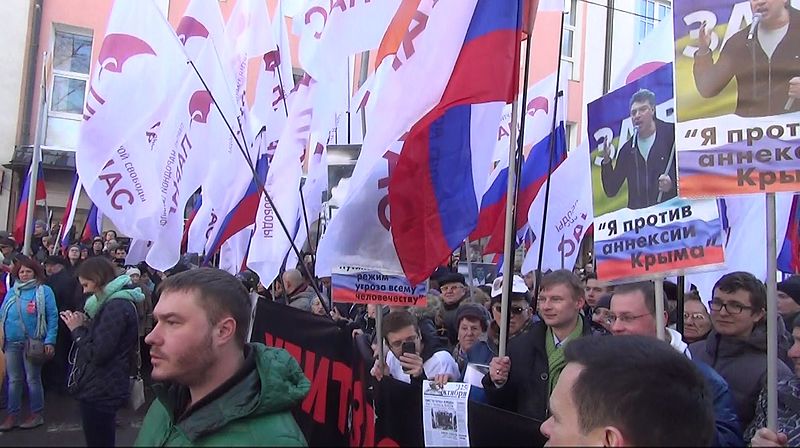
point(647, 289)
point(30, 263)
point(796, 323)
point(651, 392)
point(219, 293)
point(396, 321)
point(644, 95)
point(563, 277)
point(740, 280)
point(99, 270)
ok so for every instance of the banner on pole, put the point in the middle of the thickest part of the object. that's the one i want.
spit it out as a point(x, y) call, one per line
point(351, 284)
point(642, 227)
point(737, 127)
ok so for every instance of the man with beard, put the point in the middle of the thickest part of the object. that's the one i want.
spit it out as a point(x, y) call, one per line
point(216, 388)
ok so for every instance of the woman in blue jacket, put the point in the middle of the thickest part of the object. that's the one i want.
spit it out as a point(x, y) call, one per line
point(28, 310)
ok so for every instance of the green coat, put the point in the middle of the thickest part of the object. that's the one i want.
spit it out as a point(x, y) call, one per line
point(254, 412)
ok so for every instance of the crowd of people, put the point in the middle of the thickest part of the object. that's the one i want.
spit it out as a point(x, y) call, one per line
point(88, 325)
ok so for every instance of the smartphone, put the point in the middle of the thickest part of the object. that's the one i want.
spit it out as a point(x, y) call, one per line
point(409, 347)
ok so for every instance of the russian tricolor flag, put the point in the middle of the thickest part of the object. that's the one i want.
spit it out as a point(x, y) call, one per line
point(22, 209)
point(94, 224)
point(69, 212)
point(243, 213)
point(533, 176)
point(433, 194)
point(789, 256)
point(539, 113)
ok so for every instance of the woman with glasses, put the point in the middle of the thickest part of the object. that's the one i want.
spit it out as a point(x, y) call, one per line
point(696, 321)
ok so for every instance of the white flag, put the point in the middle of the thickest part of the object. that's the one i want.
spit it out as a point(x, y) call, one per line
point(569, 214)
point(330, 33)
point(369, 243)
point(270, 243)
point(423, 65)
point(247, 35)
point(202, 32)
point(233, 251)
point(137, 156)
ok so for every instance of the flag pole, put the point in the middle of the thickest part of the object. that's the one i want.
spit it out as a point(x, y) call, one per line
point(558, 94)
point(772, 316)
point(681, 304)
point(260, 185)
point(512, 186)
point(660, 324)
point(36, 159)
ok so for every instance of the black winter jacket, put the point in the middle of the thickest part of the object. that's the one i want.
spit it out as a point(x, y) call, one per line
point(104, 348)
point(642, 175)
point(526, 390)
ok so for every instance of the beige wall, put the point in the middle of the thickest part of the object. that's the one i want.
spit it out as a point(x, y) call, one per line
point(16, 16)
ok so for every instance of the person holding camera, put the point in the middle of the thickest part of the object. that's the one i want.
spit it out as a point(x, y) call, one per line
point(30, 322)
point(410, 358)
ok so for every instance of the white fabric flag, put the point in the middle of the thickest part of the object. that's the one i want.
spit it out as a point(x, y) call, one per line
point(137, 252)
point(369, 243)
point(275, 81)
point(569, 214)
point(315, 184)
point(329, 32)
point(137, 156)
point(247, 35)
point(233, 251)
point(653, 52)
point(423, 65)
point(202, 33)
point(270, 243)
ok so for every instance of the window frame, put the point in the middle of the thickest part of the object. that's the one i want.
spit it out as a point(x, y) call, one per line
point(67, 74)
point(571, 26)
point(649, 12)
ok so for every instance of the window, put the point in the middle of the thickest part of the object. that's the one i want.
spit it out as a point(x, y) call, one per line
point(72, 56)
point(650, 12)
point(568, 44)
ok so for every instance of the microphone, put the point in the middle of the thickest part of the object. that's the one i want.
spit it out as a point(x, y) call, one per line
point(754, 25)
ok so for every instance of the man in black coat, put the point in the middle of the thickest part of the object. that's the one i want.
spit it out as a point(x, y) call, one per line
point(522, 381)
point(646, 161)
point(69, 296)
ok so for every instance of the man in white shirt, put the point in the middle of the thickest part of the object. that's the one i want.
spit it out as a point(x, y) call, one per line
point(409, 358)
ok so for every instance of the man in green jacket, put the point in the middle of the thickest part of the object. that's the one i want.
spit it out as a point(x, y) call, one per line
point(217, 389)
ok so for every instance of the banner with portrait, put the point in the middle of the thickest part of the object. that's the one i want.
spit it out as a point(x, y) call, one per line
point(737, 96)
point(642, 227)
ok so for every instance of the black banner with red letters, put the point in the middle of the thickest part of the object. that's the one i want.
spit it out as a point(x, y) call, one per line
point(339, 411)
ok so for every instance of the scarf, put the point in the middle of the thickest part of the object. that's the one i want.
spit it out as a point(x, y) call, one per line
point(41, 319)
point(113, 290)
point(555, 355)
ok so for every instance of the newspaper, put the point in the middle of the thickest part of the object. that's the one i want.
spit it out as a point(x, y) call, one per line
point(444, 414)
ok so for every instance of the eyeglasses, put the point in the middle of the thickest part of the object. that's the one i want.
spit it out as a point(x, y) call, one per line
point(624, 318)
point(515, 310)
point(399, 344)
point(450, 288)
point(730, 307)
point(694, 316)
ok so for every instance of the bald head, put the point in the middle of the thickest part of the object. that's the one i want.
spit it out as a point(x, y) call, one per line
point(292, 279)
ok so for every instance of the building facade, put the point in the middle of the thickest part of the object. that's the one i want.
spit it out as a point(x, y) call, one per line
point(70, 32)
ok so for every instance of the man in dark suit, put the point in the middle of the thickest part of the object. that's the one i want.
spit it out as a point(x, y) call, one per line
point(647, 160)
